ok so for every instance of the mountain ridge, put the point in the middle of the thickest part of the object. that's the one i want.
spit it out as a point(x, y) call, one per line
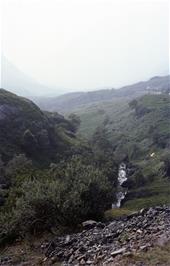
point(70, 102)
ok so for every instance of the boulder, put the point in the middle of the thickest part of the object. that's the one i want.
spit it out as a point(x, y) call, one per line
point(89, 224)
point(117, 252)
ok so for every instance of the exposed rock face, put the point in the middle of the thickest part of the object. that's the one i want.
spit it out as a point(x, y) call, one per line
point(102, 245)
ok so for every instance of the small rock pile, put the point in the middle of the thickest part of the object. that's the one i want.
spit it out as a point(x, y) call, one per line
point(101, 243)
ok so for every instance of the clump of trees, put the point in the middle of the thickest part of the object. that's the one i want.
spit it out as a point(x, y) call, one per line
point(140, 109)
point(75, 122)
point(64, 195)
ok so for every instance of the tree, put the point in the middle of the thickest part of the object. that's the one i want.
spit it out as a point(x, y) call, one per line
point(79, 192)
point(87, 192)
point(165, 157)
point(100, 139)
point(133, 104)
point(43, 139)
point(1, 166)
point(17, 165)
point(29, 142)
point(75, 121)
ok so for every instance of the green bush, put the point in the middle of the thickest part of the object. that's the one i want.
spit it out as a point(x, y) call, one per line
point(19, 165)
point(71, 193)
point(87, 191)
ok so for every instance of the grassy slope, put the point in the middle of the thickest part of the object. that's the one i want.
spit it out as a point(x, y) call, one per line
point(134, 134)
point(141, 131)
point(157, 193)
point(94, 115)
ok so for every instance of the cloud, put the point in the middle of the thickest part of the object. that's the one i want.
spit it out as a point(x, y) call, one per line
point(87, 44)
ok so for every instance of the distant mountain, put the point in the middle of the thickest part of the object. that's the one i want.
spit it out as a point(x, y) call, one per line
point(16, 81)
point(72, 102)
point(154, 85)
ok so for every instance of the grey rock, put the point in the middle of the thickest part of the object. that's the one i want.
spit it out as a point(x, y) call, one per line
point(89, 224)
point(107, 242)
point(117, 252)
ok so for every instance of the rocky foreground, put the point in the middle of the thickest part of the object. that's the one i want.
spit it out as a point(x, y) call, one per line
point(106, 244)
point(139, 239)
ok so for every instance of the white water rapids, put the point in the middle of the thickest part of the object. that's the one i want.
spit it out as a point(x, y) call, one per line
point(121, 191)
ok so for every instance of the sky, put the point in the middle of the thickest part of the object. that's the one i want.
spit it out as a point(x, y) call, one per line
point(86, 44)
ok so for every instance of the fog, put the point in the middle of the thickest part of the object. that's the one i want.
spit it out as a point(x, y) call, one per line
point(86, 44)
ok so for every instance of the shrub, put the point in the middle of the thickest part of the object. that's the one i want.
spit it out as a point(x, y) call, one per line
point(17, 165)
point(87, 193)
point(74, 192)
point(29, 141)
point(165, 157)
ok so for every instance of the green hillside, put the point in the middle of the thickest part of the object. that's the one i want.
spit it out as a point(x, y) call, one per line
point(144, 125)
point(72, 102)
point(49, 177)
point(52, 179)
point(145, 139)
point(144, 121)
point(139, 133)
point(95, 115)
point(24, 128)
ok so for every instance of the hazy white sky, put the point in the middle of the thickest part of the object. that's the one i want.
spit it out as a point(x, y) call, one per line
point(85, 44)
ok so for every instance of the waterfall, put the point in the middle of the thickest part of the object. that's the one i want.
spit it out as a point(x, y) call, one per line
point(122, 174)
point(121, 191)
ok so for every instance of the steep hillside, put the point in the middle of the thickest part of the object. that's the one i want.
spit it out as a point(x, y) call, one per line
point(141, 137)
point(95, 115)
point(138, 133)
point(75, 101)
point(24, 128)
point(145, 124)
point(58, 196)
point(49, 177)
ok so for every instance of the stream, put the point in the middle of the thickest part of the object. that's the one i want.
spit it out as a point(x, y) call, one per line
point(121, 191)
